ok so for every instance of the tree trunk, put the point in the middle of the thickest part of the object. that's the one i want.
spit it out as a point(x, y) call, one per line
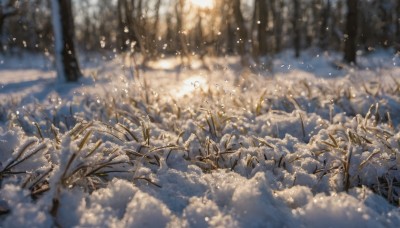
point(131, 21)
point(154, 40)
point(296, 28)
point(230, 37)
point(242, 31)
point(63, 27)
point(262, 27)
point(1, 32)
point(276, 8)
point(122, 26)
point(182, 35)
point(398, 26)
point(324, 35)
point(386, 20)
point(350, 45)
point(6, 11)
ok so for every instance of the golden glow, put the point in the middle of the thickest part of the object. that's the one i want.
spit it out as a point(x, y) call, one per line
point(164, 64)
point(191, 84)
point(204, 4)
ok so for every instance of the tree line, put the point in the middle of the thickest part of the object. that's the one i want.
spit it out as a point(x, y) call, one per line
point(251, 29)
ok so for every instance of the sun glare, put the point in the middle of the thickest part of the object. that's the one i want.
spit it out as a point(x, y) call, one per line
point(204, 4)
point(191, 84)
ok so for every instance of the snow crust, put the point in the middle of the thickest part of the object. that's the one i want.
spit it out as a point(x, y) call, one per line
point(308, 145)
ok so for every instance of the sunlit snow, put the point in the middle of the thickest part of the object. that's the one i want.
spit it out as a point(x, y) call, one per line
point(190, 85)
point(175, 146)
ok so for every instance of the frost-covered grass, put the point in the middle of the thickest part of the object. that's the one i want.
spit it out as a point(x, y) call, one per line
point(220, 148)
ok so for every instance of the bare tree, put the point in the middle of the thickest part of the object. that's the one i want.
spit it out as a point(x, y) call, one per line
point(7, 9)
point(227, 26)
point(122, 25)
point(276, 8)
point(325, 16)
point(262, 26)
point(350, 38)
point(242, 31)
point(398, 25)
point(63, 28)
point(153, 41)
point(182, 33)
point(385, 16)
point(157, 27)
point(296, 27)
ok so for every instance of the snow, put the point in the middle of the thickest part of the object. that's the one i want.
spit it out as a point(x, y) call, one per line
point(306, 144)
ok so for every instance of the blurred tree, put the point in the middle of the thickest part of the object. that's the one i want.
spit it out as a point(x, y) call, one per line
point(350, 38)
point(397, 21)
point(262, 23)
point(228, 28)
point(8, 8)
point(277, 7)
point(177, 27)
point(63, 28)
point(324, 35)
point(384, 11)
point(241, 31)
point(182, 44)
point(296, 28)
point(124, 25)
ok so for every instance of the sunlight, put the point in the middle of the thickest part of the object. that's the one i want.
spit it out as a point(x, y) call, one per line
point(164, 64)
point(191, 84)
point(204, 4)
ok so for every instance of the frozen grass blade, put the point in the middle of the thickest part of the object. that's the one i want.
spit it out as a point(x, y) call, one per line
point(84, 140)
point(35, 151)
point(302, 126)
point(21, 152)
point(39, 131)
point(92, 151)
point(263, 142)
point(149, 181)
point(129, 132)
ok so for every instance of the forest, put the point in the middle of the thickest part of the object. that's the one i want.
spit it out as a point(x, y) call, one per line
point(258, 28)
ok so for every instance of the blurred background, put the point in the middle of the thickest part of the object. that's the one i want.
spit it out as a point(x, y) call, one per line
point(159, 28)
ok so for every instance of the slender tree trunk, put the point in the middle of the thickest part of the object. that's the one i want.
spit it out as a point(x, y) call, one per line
point(230, 37)
point(242, 31)
point(262, 27)
point(182, 35)
point(155, 42)
point(386, 20)
point(1, 32)
point(366, 33)
point(337, 26)
point(276, 7)
point(5, 11)
point(351, 32)
point(170, 35)
point(139, 9)
point(324, 35)
point(255, 46)
point(199, 38)
point(296, 28)
point(131, 21)
point(122, 26)
point(63, 26)
point(398, 26)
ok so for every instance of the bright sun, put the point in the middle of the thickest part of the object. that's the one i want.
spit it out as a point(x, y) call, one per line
point(205, 4)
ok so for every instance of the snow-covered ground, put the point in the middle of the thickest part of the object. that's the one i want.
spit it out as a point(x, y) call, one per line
point(309, 143)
